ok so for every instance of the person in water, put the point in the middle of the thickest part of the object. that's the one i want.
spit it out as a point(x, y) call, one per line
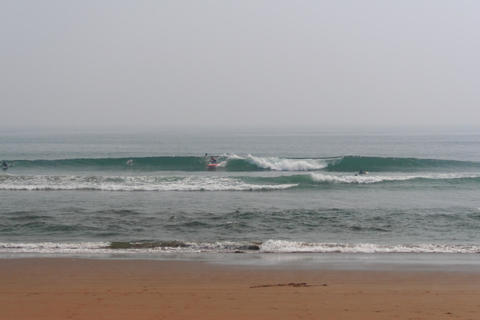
point(213, 160)
point(4, 165)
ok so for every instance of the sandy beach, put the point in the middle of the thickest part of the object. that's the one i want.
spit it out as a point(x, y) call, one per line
point(125, 289)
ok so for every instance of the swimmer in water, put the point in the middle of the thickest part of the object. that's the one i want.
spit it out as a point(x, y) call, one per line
point(361, 172)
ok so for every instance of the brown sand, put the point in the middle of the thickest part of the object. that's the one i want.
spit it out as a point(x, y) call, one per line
point(109, 289)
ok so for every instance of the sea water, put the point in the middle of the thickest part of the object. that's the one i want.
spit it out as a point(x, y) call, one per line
point(276, 195)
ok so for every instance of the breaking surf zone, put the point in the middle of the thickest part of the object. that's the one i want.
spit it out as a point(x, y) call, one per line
point(176, 163)
point(134, 183)
point(265, 247)
point(233, 162)
point(310, 180)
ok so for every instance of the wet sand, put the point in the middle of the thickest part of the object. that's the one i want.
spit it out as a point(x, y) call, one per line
point(125, 289)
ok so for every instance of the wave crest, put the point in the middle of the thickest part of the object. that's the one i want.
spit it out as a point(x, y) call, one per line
point(285, 164)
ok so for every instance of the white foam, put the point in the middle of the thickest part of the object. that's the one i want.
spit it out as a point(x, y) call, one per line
point(53, 247)
point(283, 246)
point(95, 248)
point(134, 183)
point(283, 164)
point(376, 178)
point(270, 246)
point(83, 248)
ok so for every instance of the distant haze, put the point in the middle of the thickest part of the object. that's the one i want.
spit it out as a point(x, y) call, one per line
point(236, 63)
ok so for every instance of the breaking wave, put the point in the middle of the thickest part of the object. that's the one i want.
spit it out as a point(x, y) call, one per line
point(313, 179)
point(218, 183)
point(133, 183)
point(173, 163)
point(232, 162)
point(283, 246)
point(370, 178)
point(284, 164)
point(269, 246)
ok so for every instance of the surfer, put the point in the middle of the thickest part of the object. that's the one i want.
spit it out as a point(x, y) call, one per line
point(362, 172)
point(129, 162)
point(4, 165)
point(212, 162)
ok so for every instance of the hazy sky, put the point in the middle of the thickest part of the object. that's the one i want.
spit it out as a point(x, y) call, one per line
point(162, 63)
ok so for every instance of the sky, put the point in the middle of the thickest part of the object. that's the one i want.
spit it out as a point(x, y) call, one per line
point(239, 63)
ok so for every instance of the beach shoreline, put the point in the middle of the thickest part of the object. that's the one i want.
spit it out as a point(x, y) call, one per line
point(72, 288)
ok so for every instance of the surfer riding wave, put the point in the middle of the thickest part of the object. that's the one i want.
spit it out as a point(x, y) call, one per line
point(212, 162)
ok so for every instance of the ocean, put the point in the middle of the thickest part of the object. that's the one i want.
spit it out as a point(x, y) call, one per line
point(275, 195)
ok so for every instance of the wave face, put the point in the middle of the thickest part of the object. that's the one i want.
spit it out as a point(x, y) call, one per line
point(142, 164)
point(173, 163)
point(379, 164)
point(249, 163)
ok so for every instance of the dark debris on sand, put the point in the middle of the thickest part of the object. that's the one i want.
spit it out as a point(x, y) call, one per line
point(291, 284)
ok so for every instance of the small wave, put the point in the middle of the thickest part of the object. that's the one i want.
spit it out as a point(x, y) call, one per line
point(216, 183)
point(228, 246)
point(269, 246)
point(147, 244)
point(313, 179)
point(127, 247)
point(283, 246)
point(369, 179)
point(133, 183)
point(52, 247)
point(391, 164)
